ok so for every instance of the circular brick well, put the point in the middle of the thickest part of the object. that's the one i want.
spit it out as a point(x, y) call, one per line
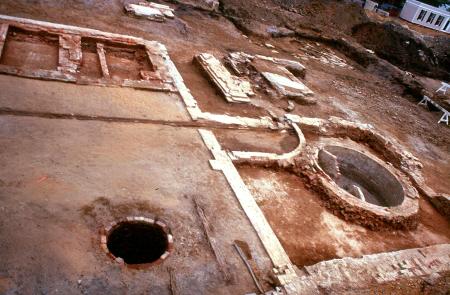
point(361, 176)
point(363, 188)
point(137, 241)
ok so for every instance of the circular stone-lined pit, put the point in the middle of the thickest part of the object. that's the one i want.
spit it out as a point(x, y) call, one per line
point(361, 176)
point(137, 241)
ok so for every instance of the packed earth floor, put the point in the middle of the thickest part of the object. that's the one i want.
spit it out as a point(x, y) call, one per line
point(83, 151)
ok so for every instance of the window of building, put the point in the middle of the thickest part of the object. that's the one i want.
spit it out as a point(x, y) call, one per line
point(446, 25)
point(422, 14)
point(431, 18)
point(439, 20)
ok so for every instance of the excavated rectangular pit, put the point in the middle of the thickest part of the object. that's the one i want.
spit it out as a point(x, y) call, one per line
point(90, 64)
point(122, 61)
point(127, 62)
point(78, 55)
point(30, 50)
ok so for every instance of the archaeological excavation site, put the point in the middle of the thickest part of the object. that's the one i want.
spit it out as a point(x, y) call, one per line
point(224, 147)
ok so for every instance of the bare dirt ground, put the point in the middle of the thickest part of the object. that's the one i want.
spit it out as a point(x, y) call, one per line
point(310, 233)
point(63, 178)
point(419, 29)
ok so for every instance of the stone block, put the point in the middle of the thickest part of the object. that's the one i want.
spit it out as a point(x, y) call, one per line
point(290, 87)
point(233, 88)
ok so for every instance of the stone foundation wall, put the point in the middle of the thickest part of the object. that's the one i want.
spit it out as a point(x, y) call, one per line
point(406, 270)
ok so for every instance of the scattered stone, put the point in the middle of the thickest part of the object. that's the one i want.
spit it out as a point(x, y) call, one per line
point(277, 32)
point(290, 107)
point(291, 88)
point(233, 88)
point(165, 9)
point(296, 68)
point(272, 114)
point(239, 62)
point(151, 11)
point(323, 55)
point(208, 5)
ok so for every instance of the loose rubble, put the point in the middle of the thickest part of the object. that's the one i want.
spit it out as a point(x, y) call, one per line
point(151, 11)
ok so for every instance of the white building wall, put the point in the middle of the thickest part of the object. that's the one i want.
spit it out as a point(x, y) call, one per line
point(412, 9)
point(408, 12)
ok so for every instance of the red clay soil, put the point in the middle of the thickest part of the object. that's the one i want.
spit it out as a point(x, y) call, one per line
point(352, 93)
point(311, 234)
point(256, 141)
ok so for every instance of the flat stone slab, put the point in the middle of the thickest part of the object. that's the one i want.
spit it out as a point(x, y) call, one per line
point(152, 11)
point(233, 88)
point(288, 87)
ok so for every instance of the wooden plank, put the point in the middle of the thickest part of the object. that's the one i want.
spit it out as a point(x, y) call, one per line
point(220, 258)
point(173, 282)
point(3, 34)
point(249, 268)
point(102, 59)
point(222, 162)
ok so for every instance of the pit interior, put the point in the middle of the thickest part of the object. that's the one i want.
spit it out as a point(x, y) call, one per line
point(124, 61)
point(30, 49)
point(361, 176)
point(137, 242)
point(90, 64)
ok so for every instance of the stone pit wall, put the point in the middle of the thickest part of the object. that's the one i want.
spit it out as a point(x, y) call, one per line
point(418, 269)
point(389, 150)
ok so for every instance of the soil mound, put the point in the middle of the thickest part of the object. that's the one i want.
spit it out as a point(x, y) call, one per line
point(403, 48)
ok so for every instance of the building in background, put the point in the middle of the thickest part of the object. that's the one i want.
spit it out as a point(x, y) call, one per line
point(426, 15)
